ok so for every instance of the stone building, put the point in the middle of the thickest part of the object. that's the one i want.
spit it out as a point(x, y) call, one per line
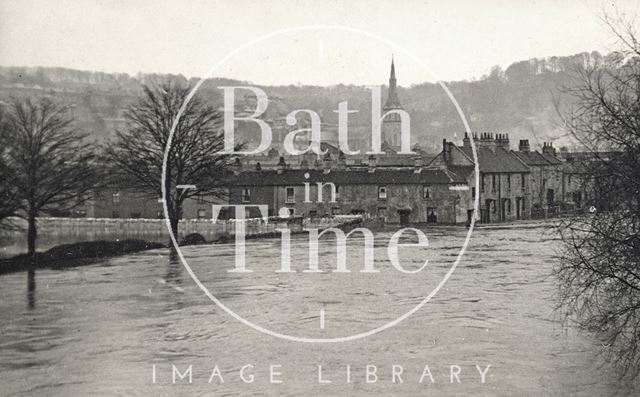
point(406, 195)
point(547, 188)
point(504, 190)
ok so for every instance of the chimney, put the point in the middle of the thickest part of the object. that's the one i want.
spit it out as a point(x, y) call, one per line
point(548, 149)
point(372, 163)
point(524, 145)
point(281, 165)
point(237, 166)
point(327, 163)
point(446, 152)
point(487, 140)
point(502, 140)
point(342, 160)
point(466, 142)
point(417, 164)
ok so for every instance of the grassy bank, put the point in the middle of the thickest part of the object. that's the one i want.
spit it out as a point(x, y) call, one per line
point(76, 254)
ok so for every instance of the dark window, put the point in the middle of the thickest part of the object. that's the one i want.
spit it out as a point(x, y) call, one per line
point(115, 214)
point(509, 182)
point(291, 195)
point(135, 215)
point(246, 195)
point(522, 181)
point(473, 192)
point(493, 183)
point(382, 192)
point(482, 187)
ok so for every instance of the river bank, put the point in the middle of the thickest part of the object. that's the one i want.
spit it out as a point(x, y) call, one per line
point(76, 254)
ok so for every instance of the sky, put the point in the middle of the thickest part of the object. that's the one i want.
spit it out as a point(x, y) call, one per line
point(455, 39)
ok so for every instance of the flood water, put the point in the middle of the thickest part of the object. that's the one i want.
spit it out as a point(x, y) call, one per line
point(101, 329)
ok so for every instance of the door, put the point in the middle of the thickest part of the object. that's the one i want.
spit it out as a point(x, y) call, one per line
point(550, 197)
point(404, 217)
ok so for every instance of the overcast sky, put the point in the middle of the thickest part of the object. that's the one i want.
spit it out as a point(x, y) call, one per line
point(457, 39)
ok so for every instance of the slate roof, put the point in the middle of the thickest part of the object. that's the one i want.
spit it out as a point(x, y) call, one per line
point(552, 159)
point(501, 160)
point(532, 158)
point(348, 177)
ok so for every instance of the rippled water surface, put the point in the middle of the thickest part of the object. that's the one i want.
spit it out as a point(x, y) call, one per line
point(101, 329)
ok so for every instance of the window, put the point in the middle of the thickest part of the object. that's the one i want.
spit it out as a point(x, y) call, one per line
point(291, 195)
point(337, 192)
point(115, 198)
point(509, 182)
point(382, 192)
point(382, 212)
point(522, 185)
point(115, 214)
point(493, 183)
point(201, 214)
point(335, 210)
point(426, 192)
point(482, 187)
point(473, 192)
point(508, 206)
point(313, 214)
point(135, 215)
point(246, 195)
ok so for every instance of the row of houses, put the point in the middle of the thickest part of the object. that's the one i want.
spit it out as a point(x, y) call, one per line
point(513, 184)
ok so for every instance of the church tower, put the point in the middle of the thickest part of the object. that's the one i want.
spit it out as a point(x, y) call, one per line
point(392, 123)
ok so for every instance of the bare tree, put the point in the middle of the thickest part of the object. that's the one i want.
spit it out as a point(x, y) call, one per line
point(600, 262)
point(194, 155)
point(9, 199)
point(53, 167)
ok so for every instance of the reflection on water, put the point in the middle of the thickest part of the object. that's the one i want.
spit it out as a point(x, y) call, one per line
point(99, 329)
point(31, 288)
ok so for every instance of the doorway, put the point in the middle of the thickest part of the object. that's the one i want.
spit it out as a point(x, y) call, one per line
point(404, 217)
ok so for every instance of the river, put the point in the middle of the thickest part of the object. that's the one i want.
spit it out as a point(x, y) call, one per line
point(102, 329)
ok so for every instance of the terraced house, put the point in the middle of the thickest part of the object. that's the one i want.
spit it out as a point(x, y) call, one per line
point(504, 183)
point(405, 195)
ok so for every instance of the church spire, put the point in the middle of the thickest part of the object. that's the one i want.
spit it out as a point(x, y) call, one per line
point(393, 70)
point(392, 98)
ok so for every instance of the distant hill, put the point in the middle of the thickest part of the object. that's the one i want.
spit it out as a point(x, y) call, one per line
point(517, 100)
